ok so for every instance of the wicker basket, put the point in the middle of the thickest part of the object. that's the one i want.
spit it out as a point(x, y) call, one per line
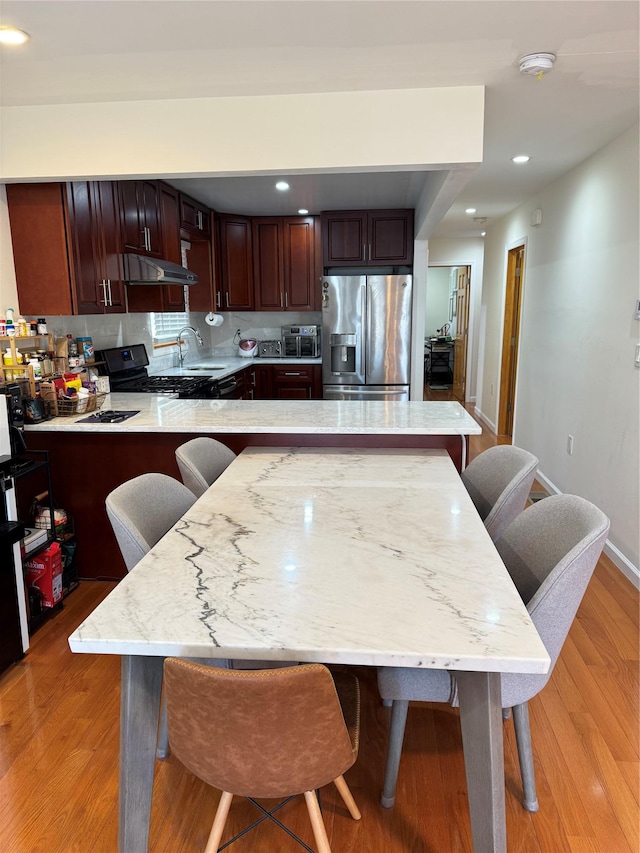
point(67, 407)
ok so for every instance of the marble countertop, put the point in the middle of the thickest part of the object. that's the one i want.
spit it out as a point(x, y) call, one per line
point(167, 413)
point(229, 365)
point(341, 555)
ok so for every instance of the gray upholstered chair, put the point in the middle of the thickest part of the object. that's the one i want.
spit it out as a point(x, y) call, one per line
point(201, 461)
point(550, 551)
point(142, 510)
point(265, 734)
point(499, 481)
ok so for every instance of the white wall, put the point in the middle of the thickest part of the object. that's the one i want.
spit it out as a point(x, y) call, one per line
point(437, 302)
point(465, 252)
point(576, 371)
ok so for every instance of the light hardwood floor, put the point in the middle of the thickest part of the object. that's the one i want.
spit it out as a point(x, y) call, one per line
point(59, 754)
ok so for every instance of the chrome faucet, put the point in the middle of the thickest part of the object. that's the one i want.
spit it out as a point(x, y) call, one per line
point(198, 338)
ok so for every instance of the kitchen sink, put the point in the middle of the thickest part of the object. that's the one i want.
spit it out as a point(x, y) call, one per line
point(208, 367)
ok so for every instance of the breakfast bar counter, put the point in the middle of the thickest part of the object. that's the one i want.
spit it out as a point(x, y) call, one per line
point(88, 460)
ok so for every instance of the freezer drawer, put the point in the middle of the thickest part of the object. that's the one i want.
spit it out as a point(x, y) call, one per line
point(366, 392)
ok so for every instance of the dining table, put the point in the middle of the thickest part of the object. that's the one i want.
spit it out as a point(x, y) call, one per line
point(367, 557)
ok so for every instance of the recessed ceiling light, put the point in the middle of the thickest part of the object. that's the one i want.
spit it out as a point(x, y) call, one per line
point(11, 35)
point(470, 210)
point(303, 211)
point(282, 186)
point(521, 158)
point(483, 233)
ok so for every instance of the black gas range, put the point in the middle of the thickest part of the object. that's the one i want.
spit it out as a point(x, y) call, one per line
point(126, 368)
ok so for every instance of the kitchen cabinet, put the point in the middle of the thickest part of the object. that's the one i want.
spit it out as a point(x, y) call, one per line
point(236, 263)
point(162, 297)
point(141, 219)
point(284, 263)
point(364, 238)
point(195, 218)
point(39, 235)
point(263, 385)
point(66, 247)
point(94, 224)
point(297, 382)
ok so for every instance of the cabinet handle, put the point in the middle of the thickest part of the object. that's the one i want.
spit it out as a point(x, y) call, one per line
point(369, 258)
point(281, 300)
point(226, 298)
point(148, 230)
point(292, 373)
point(103, 285)
point(110, 297)
point(199, 224)
point(286, 300)
point(217, 298)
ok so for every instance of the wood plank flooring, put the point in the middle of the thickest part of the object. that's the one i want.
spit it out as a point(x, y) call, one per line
point(59, 718)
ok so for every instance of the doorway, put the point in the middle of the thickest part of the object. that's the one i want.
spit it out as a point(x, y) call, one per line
point(510, 340)
point(447, 332)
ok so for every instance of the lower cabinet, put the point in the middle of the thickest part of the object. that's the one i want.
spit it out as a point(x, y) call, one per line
point(288, 382)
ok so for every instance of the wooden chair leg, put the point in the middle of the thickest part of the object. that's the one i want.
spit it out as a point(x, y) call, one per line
point(218, 823)
point(345, 793)
point(317, 823)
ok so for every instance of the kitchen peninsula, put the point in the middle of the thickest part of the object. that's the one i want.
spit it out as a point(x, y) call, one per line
point(88, 460)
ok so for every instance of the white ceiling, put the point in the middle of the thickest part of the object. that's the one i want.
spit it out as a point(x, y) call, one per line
point(105, 50)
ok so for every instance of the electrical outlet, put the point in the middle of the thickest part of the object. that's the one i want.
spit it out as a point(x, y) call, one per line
point(637, 359)
point(570, 445)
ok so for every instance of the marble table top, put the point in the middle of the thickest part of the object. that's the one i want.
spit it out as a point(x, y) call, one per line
point(166, 413)
point(373, 557)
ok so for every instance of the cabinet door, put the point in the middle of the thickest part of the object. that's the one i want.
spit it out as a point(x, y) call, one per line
point(344, 238)
point(293, 383)
point(140, 201)
point(107, 202)
point(89, 285)
point(268, 273)
point(236, 262)
point(194, 217)
point(39, 236)
point(299, 262)
point(263, 385)
point(390, 237)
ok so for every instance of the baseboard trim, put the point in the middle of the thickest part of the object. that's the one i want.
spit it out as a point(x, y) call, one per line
point(622, 563)
point(485, 420)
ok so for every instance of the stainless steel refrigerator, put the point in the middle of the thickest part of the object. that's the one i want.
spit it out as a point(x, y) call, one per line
point(366, 337)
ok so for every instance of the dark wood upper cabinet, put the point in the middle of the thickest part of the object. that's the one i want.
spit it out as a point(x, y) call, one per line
point(236, 262)
point(141, 221)
point(284, 263)
point(361, 238)
point(94, 226)
point(194, 217)
point(162, 297)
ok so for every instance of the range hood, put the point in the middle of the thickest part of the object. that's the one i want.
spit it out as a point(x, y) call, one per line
point(139, 269)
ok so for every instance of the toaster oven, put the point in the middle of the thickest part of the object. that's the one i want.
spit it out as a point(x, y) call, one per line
point(301, 341)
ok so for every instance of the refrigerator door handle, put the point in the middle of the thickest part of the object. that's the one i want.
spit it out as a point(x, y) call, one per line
point(365, 326)
point(365, 392)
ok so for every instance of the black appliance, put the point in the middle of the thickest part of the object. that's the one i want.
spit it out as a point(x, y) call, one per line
point(126, 368)
point(15, 417)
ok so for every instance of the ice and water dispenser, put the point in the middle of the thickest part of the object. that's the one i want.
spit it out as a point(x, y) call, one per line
point(344, 350)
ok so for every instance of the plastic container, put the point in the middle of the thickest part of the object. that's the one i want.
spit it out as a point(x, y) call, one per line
point(85, 348)
point(42, 326)
point(72, 347)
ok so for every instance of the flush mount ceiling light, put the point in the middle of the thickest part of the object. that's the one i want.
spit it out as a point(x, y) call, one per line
point(11, 35)
point(483, 233)
point(536, 64)
point(282, 186)
point(470, 210)
point(303, 211)
point(521, 158)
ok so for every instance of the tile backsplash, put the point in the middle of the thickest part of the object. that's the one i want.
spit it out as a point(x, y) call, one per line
point(116, 330)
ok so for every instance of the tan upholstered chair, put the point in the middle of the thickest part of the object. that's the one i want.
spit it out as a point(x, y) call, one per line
point(201, 461)
point(264, 733)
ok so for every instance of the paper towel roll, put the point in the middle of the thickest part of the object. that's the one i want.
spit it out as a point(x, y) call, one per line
point(214, 319)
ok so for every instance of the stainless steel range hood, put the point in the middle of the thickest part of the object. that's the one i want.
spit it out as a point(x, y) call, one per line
point(139, 269)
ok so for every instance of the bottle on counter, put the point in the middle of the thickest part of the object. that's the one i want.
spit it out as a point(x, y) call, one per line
point(42, 326)
point(72, 347)
point(3, 327)
point(22, 330)
point(10, 327)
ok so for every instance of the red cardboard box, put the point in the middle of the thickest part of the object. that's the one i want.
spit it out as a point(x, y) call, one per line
point(44, 571)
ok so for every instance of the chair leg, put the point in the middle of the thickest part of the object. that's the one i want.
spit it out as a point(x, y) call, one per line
point(317, 824)
point(525, 756)
point(506, 713)
point(162, 744)
point(394, 750)
point(218, 823)
point(347, 798)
